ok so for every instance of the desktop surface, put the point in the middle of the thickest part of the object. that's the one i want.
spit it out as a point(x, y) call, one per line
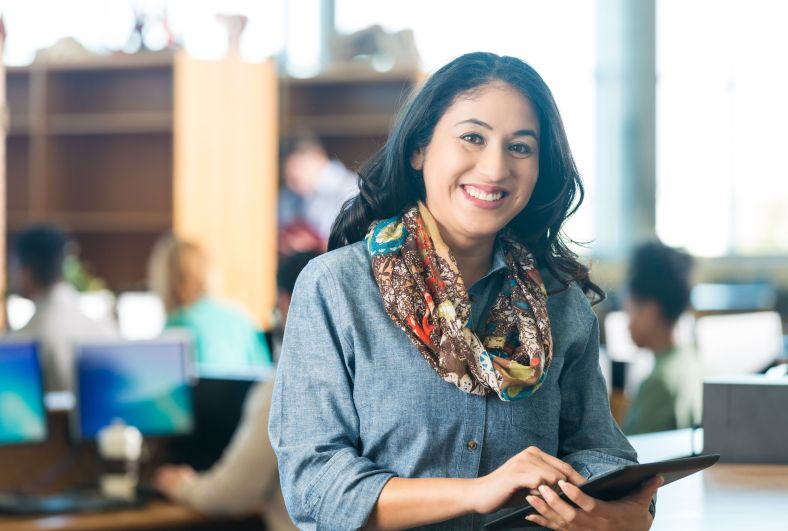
point(725, 496)
point(144, 383)
point(22, 414)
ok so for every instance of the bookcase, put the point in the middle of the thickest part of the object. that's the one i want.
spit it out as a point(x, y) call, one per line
point(350, 109)
point(115, 150)
point(120, 149)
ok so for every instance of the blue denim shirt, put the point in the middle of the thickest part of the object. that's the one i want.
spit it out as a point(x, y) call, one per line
point(355, 403)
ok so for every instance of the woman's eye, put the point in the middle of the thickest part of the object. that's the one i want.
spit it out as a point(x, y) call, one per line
point(521, 149)
point(473, 138)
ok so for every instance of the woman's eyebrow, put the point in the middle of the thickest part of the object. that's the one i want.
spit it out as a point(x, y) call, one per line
point(480, 123)
point(475, 121)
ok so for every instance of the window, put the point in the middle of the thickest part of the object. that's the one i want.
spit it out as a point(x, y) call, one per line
point(104, 25)
point(722, 177)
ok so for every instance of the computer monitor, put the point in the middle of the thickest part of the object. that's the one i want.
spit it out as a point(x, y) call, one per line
point(22, 414)
point(219, 399)
point(143, 383)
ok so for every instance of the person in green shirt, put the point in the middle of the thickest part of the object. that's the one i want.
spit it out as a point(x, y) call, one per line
point(658, 287)
point(225, 338)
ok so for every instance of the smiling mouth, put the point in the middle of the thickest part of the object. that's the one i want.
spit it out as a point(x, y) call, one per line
point(482, 195)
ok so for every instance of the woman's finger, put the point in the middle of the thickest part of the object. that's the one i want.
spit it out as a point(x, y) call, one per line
point(580, 498)
point(539, 520)
point(572, 475)
point(565, 512)
point(533, 459)
point(546, 511)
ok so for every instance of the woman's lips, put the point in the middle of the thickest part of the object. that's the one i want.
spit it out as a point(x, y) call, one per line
point(484, 196)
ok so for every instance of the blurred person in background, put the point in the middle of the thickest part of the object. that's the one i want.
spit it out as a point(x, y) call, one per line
point(658, 289)
point(246, 477)
point(225, 337)
point(289, 269)
point(315, 188)
point(58, 321)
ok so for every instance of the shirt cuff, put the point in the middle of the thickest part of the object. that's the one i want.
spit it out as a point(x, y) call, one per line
point(344, 493)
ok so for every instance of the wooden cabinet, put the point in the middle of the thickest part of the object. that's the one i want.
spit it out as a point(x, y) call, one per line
point(118, 149)
point(351, 109)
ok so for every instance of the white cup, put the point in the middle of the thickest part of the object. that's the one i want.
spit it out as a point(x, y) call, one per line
point(119, 447)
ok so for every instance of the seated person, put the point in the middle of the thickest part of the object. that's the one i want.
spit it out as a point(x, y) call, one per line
point(224, 337)
point(58, 321)
point(289, 269)
point(315, 188)
point(658, 293)
point(246, 476)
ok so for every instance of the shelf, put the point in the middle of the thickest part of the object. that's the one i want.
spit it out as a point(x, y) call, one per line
point(98, 222)
point(354, 74)
point(109, 123)
point(117, 61)
point(343, 125)
point(18, 126)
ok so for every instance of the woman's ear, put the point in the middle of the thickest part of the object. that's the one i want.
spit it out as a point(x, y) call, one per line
point(417, 160)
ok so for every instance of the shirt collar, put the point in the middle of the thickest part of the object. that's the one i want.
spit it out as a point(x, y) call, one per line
point(498, 261)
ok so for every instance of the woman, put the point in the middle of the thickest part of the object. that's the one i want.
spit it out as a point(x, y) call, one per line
point(225, 338)
point(445, 364)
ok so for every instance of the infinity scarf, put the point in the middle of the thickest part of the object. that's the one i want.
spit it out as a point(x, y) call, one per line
point(425, 296)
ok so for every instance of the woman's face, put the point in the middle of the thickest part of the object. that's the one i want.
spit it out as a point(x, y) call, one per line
point(481, 164)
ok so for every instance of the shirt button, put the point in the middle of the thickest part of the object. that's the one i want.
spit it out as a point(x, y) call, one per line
point(472, 445)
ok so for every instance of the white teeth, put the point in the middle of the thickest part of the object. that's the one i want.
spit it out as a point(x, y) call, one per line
point(484, 196)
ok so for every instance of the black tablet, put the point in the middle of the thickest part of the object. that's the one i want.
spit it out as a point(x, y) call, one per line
point(616, 484)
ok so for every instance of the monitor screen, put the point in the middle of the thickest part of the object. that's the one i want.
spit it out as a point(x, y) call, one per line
point(22, 414)
point(143, 383)
point(218, 408)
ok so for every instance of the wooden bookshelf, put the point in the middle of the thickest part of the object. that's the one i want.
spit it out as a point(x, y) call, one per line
point(351, 109)
point(119, 149)
point(93, 146)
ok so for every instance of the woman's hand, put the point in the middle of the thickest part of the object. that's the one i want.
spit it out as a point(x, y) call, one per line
point(169, 478)
point(629, 513)
point(525, 471)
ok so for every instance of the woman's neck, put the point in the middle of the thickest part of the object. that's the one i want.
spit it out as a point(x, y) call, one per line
point(473, 258)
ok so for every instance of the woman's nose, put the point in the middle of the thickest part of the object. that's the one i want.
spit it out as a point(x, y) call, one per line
point(494, 163)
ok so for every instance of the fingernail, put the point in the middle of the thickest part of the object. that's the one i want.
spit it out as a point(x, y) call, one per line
point(543, 489)
point(530, 499)
point(561, 483)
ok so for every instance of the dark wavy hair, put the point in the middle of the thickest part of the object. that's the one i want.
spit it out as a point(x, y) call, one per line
point(661, 274)
point(388, 184)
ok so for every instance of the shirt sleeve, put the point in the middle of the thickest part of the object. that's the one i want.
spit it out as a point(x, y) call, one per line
point(590, 439)
point(239, 481)
point(314, 426)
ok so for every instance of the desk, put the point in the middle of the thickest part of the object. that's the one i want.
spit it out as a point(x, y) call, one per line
point(721, 498)
point(21, 465)
point(157, 515)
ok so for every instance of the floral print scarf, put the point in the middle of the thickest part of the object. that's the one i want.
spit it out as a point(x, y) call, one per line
point(425, 296)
